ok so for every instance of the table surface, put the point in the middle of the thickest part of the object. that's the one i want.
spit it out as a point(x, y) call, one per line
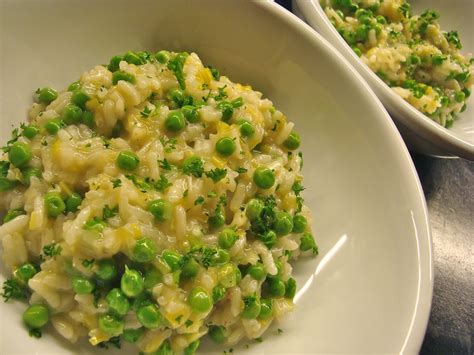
point(448, 185)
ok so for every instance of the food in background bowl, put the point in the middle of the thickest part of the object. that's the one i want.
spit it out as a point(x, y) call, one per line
point(153, 201)
point(410, 53)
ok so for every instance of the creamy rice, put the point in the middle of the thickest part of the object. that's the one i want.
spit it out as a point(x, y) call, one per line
point(149, 165)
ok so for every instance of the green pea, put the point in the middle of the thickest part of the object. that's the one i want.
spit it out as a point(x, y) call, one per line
point(30, 131)
point(12, 214)
point(88, 118)
point(72, 114)
point(177, 96)
point(133, 58)
point(149, 316)
point(36, 316)
point(132, 335)
point(264, 178)
point(276, 287)
point(293, 141)
point(459, 96)
point(171, 258)
point(79, 98)
point(127, 160)
point(175, 121)
point(118, 302)
point(251, 307)
point(290, 288)
point(144, 250)
point(110, 324)
point(218, 333)
point(246, 129)
point(466, 92)
point(54, 125)
point(28, 173)
point(114, 63)
point(266, 309)
point(307, 243)
point(381, 20)
point(254, 209)
point(161, 209)
point(227, 275)
point(122, 76)
point(227, 238)
point(218, 219)
point(190, 268)
point(220, 257)
point(54, 204)
point(152, 277)
point(106, 269)
point(162, 56)
point(25, 272)
point(257, 271)
point(218, 293)
point(362, 32)
point(279, 267)
point(268, 238)
point(283, 223)
point(357, 51)
point(299, 223)
point(131, 283)
point(199, 300)
point(75, 85)
point(190, 113)
point(227, 110)
point(73, 202)
point(47, 95)
point(225, 146)
point(81, 285)
point(20, 154)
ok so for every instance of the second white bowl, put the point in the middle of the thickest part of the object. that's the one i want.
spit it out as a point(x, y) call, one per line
point(419, 131)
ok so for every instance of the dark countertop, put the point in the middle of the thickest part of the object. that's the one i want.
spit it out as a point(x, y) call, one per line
point(448, 185)
point(449, 189)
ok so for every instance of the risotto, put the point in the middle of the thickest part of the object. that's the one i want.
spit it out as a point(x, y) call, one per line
point(410, 53)
point(154, 201)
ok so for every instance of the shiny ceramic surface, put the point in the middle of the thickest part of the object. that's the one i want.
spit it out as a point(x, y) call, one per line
point(420, 132)
point(369, 290)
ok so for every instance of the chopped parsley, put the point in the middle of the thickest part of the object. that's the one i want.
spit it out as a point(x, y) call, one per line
point(176, 65)
point(453, 38)
point(116, 183)
point(214, 72)
point(146, 112)
point(297, 189)
point(164, 164)
point(216, 174)
point(199, 201)
point(241, 170)
point(13, 289)
point(51, 250)
point(168, 144)
point(35, 333)
point(108, 212)
point(87, 263)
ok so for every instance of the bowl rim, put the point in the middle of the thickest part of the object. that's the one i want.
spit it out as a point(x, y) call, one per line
point(422, 307)
point(421, 124)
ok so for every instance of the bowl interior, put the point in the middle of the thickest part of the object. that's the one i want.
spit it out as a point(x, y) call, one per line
point(369, 290)
point(420, 132)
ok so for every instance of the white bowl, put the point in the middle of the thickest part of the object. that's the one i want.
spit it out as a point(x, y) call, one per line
point(370, 288)
point(420, 132)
